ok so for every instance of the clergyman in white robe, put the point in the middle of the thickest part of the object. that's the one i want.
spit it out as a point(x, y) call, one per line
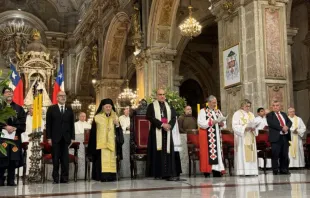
point(245, 143)
point(296, 150)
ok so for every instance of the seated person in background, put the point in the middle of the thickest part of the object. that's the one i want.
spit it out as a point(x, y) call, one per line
point(187, 121)
point(125, 121)
point(81, 125)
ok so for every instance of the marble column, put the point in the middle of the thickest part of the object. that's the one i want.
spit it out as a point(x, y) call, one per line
point(259, 28)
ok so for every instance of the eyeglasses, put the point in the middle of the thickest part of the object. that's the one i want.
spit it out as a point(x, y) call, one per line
point(8, 91)
point(160, 94)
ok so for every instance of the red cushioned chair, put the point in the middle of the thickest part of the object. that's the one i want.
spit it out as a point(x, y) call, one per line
point(228, 148)
point(307, 151)
point(88, 160)
point(24, 149)
point(193, 150)
point(47, 157)
point(139, 132)
point(264, 147)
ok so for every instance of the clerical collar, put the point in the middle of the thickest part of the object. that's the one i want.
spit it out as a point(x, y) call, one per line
point(108, 114)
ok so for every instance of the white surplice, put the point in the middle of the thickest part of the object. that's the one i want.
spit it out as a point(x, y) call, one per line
point(261, 122)
point(125, 123)
point(203, 123)
point(297, 157)
point(80, 126)
point(239, 124)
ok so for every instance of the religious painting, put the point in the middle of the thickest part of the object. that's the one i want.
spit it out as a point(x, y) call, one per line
point(231, 64)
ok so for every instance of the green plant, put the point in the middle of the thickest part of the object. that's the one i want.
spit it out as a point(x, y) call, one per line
point(173, 98)
point(6, 112)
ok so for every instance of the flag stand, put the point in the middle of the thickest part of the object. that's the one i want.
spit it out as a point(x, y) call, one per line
point(35, 175)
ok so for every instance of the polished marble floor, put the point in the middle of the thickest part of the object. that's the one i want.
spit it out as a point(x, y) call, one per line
point(294, 185)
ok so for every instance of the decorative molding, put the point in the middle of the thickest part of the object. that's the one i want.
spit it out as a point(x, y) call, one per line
point(274, 45)
point(277, 92)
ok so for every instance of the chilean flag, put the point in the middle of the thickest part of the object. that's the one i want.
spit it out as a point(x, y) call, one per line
point(59, 84)
point(17, 86)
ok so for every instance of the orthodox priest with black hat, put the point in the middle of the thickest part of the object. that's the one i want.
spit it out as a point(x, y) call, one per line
point(160, 149)
point(12, 130)
point(105, 142)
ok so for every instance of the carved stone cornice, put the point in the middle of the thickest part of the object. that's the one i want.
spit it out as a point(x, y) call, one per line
point(291, 33)
point(163, 54)
point(233, 90)
point(115, 83)
point(177, 80)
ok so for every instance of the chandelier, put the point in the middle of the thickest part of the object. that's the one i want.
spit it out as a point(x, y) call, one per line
point(92, 111)
point(190, 27)
point(128, 97)
point(76, 105)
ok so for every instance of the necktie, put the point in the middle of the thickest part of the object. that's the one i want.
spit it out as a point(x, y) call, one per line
point(280, 119)
point(62, 110)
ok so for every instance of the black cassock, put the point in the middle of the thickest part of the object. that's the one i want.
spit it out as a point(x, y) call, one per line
point(160, 164)
point(96, 154)
point(14, 158)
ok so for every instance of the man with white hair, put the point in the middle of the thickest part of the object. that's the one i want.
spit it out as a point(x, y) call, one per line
point(210, 121)
point(296, 151)
point(125, 121)
point(81, 125)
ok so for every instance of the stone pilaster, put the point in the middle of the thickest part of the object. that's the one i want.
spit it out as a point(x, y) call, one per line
point(159, 70)
point(258, 27)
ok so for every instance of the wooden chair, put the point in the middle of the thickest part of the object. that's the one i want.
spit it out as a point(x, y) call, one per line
point(24, 150)
point(193, 150)
point(264, 147)
point(88, 159)
point(228, 148)
point(139, 132)
point(47, 157)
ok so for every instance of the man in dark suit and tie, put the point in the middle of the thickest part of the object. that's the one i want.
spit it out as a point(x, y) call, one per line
point(60, 134)
point(279, 136)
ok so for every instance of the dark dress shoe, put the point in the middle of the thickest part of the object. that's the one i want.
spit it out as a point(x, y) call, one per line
point(207, 175)
point(64, 181)
point(2, 183)
point(171, 179)
point(12, 184)
point(55, 182)
point(216, 174)
point(285, 173)
point(275, 172)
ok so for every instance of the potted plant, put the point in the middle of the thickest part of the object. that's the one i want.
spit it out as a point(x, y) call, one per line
point(173, 98)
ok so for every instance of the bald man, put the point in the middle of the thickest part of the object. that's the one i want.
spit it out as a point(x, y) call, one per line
point(81, 125)
point(296, 150)
point(60, 133)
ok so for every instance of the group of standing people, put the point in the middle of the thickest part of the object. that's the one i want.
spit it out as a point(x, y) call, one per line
point(163, 158)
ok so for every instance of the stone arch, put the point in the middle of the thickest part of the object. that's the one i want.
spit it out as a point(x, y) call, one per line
point(80, 67)
point(162, 23)
point(114, 45)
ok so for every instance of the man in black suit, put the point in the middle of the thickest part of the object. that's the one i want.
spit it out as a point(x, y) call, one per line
point(279, 136)
point(60, 134)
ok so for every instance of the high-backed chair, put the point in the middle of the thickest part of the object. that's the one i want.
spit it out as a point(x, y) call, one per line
point(228, 148)
point(47, 157)
point(193, 150)
point(307, 151)
point(24, 150)
point(88, 159)
point(139, 132)
point(263, 146)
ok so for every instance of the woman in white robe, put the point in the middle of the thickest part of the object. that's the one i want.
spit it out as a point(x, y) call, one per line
point(296, 150)
point(245, 144)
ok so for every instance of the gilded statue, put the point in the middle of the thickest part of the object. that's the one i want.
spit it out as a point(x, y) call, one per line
point(36, 35)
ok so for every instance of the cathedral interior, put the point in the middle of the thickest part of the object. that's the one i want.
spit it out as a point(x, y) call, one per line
point(104, 44)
